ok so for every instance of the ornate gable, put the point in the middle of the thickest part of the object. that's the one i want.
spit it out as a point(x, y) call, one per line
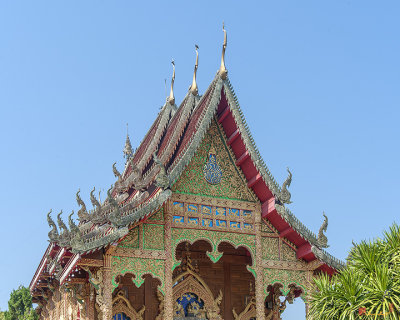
point(212, 172)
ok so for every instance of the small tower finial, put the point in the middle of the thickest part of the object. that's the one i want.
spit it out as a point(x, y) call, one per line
point(194, 89)
point(171, 98)
point(222, 70)
point(128, 153)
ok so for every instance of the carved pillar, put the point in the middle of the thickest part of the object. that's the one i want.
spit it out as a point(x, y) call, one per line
point(169, 304)
point(259, 270)
point(56, 301)
point(44, 314)
point(309, 276)
point(89, 305)
point(107, 293)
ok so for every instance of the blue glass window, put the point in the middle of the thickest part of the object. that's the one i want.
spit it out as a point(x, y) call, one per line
point(121, 316)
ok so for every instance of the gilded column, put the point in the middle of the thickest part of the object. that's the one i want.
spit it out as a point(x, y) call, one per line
point(56, 301)
point(259, 269)
point(107, 293)
point(169, 305)
point(89, 305)
point(310, 274)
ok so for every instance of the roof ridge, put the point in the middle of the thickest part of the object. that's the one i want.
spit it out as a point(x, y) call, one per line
point(183, 159)
point(162, 111)
point(184, 117)
point(163, 124)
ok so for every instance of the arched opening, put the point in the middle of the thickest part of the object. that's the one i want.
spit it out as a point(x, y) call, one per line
point(206, 290)
point(277, 301)
point(133, 303)
point(297, 310)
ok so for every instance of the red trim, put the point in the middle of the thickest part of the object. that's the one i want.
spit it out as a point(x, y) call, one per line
point(242, 158)
point(257, 184)
point(233, 137)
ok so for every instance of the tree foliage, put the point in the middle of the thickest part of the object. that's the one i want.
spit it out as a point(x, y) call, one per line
point(367, 288)
point(20, 306)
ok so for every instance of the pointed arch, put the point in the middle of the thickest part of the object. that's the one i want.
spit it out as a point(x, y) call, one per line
point(121, 305)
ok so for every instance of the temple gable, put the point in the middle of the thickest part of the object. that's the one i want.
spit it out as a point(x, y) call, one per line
point(212, 171)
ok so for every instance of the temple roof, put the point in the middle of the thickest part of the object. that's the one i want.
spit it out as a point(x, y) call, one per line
point(160, 159)
point(174, 138)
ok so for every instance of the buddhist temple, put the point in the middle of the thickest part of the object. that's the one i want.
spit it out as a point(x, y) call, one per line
point(194, 227)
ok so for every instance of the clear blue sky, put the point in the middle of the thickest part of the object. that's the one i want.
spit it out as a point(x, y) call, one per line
point(318, 82)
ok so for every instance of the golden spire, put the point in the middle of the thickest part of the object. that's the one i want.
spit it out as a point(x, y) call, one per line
point(194, 89)
point(128, 152)
point(171, 98)
point(222, 70)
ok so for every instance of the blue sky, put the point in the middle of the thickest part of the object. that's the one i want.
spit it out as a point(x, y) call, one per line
point(318, 82)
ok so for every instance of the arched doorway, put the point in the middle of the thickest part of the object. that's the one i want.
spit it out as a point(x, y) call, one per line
point(133, 303)
point(206, 290)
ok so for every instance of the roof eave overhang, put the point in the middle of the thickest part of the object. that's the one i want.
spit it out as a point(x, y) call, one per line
point(261, 181)
point(41, 267)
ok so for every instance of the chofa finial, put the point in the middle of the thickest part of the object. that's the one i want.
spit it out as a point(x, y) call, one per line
point(171, 98)
point(194, 89)
point(222, 70)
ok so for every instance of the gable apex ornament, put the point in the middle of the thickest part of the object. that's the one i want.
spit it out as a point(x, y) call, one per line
point(223, 73)
point(194, 89)
point(171, 98)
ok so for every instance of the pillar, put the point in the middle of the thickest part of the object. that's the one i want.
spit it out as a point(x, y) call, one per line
point(169, 304)
point(310, 274)
point(89, 304)
point(107, 291)
point(259, 270)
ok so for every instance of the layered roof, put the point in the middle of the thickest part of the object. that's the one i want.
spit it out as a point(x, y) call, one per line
point(166, 150)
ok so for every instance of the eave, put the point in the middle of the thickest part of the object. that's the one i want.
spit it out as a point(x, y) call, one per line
point(261, 181)
point(41, 267)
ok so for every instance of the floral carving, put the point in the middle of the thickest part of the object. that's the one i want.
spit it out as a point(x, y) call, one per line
point(231, 186)
point(138, 267)
point(131, 240)
point(157, 216)
point(285, 278)
point(288, 253)
point(214, 238)
point(153, 236)
point(270, 248)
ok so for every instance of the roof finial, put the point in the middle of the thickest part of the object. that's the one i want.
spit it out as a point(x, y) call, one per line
point(128, 153)
point(194, 89)
point(222, 70)
point(171, 98)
